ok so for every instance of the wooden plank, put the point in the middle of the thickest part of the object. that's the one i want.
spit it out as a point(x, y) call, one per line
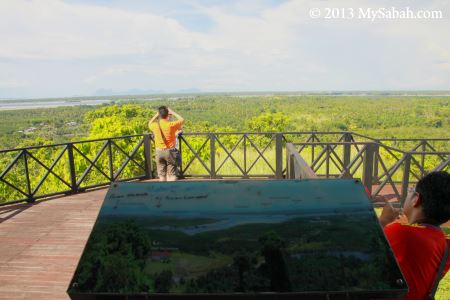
point(41, 243)
point(301, 169)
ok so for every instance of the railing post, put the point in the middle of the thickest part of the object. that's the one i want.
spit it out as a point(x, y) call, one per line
point(148, 156)
point(245, 156)
point(375, 162)
point(110, 161)
point(367, 176)
point(73, 178)
point(27, 176)
point(289, 164)
point(422, 160)
point(180, 149)
point(212, 154)
point(405, 180)
point(279, 156)
point(291, 173)
point(347, 153)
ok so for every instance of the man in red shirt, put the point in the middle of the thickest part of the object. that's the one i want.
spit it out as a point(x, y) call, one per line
point(418, 242)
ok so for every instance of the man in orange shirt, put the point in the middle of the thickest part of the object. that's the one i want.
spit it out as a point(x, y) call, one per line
point(418, 242)
point(164, 133)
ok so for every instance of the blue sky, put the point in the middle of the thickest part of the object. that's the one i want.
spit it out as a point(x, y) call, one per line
point(54, 48)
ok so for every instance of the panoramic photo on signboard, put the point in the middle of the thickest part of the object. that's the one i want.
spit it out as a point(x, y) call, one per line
point(237, 237)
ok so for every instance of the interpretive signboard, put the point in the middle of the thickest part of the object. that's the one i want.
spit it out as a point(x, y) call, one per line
point(277, 239)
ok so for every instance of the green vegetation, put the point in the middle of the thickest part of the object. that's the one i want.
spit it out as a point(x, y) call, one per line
point(114, 260)
point(52, 126)
point(377, 116)
point(374, 115)
point(283, 257)
point(239, 259)
point(444, 288)
point(188, 265)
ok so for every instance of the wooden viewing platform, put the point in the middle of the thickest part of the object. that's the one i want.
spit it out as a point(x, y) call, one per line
point(41, 244)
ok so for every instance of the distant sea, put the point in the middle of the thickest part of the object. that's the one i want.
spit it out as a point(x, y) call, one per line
point(17, 104)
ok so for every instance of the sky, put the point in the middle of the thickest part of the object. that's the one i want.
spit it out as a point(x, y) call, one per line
point(56, 48)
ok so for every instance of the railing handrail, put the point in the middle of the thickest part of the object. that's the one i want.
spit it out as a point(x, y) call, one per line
point(73, 143)
point(229, 133)
point(379, 144)
point(212, 156)
point(266, 132)
point(401, 139)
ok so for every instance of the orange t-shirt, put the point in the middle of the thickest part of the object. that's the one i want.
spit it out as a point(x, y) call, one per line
point(169, 130)
point(418, 250)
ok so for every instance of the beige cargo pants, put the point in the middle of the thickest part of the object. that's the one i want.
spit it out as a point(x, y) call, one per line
point(166, 164)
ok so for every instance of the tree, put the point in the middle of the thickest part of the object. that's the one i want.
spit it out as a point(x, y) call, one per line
point(163, 281)
point(273, 252)
point(242, 262)
point(269, 122)
point(118, 120)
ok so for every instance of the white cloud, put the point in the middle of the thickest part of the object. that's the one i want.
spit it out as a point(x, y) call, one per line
point(52, 29)
point(11, 84)
point(251, 45)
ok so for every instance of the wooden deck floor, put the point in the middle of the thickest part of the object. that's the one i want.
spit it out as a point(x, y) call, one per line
point(41, 243)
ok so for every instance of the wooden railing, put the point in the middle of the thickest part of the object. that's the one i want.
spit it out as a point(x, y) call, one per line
point(31, 173)
point(296, 166)
point(378, 165)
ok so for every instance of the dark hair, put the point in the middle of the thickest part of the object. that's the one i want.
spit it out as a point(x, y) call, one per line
point(163, 111)
point(435, 191)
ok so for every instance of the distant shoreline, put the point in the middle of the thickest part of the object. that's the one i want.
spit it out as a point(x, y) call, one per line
point(152, 96)
point(18, 104)
point(34, 104)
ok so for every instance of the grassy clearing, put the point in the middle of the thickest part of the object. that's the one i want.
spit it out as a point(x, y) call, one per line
point(189, 265)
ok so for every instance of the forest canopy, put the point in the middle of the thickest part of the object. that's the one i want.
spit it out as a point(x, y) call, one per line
point(377, 116)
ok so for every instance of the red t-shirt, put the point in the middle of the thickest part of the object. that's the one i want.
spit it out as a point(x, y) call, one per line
point(418, 250)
